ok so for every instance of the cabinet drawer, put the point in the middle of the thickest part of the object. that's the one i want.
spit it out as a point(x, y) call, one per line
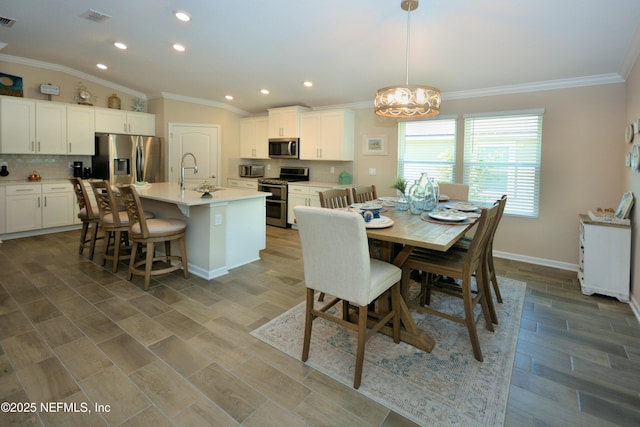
point(14, 190)
point(60, 187)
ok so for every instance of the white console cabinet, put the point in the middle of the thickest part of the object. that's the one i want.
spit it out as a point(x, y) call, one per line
point(605, 257)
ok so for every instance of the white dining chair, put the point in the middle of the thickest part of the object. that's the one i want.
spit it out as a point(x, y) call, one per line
point(336, 261)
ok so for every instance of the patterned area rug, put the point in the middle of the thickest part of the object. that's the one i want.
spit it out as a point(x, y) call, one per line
point(446, 387)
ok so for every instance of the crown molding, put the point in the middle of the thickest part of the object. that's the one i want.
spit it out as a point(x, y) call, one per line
point(602, 79)
point(199, 101)
point(73, 72)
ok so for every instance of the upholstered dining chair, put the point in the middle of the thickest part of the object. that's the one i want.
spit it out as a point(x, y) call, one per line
point(364, 194)
point(332, 199)
point(336, 261)
point(148, 232)
point(88, 214)
point(114, 222)
point(335, 198)
point(454, 191)
point(459, 266)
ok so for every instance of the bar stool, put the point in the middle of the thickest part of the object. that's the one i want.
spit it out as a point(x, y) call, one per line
point(148, 232)
point(113, 222)
point(88, 214)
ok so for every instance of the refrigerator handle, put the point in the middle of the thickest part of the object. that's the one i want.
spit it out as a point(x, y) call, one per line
point(139, 160)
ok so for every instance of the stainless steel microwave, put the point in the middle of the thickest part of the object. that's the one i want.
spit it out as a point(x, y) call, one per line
point(251, 171)
point(284, 148)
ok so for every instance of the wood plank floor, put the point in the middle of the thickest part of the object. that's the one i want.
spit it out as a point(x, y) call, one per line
point(181, 354)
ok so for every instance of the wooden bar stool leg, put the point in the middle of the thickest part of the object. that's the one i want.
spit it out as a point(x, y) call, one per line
point(183, 251)
point(116, 249)
point(132, 261)
point(148, 265)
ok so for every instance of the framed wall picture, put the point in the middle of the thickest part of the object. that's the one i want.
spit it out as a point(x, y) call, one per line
point(374, 145)
point(11, 85)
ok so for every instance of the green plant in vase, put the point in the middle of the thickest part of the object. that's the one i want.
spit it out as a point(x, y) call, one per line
point(400, 184)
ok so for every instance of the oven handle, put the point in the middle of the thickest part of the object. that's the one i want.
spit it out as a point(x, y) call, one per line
point(271, 186)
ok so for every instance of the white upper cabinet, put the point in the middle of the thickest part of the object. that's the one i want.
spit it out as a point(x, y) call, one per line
point(327, 135)
point(285, 122)
point(254, 136)
point(124, 122)
point(17, 125)
point(80, 130)
point(32, 127)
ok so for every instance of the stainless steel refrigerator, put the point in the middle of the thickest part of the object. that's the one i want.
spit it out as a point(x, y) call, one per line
point(127, 159)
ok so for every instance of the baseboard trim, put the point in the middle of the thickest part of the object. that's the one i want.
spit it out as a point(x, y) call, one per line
point(635, 307)
point(40, 232)
point(537, 261)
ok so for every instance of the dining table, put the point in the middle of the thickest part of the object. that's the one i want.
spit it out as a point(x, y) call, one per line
point(394, 243)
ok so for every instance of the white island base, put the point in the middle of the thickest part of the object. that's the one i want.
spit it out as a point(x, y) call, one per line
point(223, 232)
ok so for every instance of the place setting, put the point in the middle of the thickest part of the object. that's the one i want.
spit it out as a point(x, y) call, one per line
point(456, 213)
point(371, 214)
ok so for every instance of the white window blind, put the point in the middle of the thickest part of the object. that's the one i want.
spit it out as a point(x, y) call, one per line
point(502, 156)
point(427, 146)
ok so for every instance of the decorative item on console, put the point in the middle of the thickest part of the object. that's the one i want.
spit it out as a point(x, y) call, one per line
point(83, 96)
point(138, 104)
point(113, 102)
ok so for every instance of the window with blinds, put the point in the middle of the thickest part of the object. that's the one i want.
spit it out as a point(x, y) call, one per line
point(427, 146)
point(502, 156)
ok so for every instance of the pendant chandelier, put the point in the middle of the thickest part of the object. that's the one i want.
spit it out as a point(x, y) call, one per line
point(408, 101)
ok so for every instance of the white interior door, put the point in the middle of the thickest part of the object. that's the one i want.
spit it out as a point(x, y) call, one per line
point(203, 141)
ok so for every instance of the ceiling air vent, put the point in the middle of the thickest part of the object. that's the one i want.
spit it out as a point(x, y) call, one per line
point(6, 22)
point(95, 16)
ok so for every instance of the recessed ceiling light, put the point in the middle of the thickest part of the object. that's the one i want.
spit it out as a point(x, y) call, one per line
point(307, 83)
point(182, 16)
point(179, 47)
point(229, 97)
point(120, 45)
point(264, 91)
point(102, 66)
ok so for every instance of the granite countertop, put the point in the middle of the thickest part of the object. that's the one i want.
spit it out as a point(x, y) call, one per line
point(170, 192)
point(26, 181)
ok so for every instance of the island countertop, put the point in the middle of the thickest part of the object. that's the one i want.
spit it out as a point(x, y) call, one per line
point(170, 192)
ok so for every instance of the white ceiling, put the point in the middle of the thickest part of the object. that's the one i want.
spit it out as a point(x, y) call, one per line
point(348, 48)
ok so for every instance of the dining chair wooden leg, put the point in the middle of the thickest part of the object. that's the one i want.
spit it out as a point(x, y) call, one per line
point(363, 312)
point(494, 279)
point(482, 280)
point(395, 306)
point(308, 323)
point(467, 299)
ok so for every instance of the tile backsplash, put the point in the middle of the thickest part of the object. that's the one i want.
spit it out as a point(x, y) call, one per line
point(20, 166)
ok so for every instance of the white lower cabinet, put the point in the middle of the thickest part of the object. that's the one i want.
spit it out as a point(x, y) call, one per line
point(302, 195)
point(35, 206)
point(605, 258)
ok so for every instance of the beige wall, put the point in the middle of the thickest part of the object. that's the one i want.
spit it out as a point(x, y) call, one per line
point(582, 163)
point(582, 152)
point(632, 183)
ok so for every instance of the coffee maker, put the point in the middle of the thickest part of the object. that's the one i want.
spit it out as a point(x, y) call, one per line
point(77, 169)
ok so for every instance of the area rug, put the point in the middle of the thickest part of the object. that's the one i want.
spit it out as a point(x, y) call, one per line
point(446, 387)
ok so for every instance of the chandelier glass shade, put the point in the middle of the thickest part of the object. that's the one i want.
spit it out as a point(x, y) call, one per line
point(408, 101)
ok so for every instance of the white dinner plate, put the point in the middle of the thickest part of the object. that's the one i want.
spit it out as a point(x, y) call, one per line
point(448, 216)
point(382, 222)
point(387, 201)
point(367, 206)
point(463, 206)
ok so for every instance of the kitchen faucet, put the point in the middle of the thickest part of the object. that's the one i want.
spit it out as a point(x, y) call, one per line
point(182, 168)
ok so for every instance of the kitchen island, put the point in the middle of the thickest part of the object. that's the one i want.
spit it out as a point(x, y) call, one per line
point(225, 231)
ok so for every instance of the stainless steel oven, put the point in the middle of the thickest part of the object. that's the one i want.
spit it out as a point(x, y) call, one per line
point(276, 203)
point(278, 187)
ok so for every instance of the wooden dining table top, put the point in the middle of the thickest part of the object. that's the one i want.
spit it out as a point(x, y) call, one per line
point(409, 229)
